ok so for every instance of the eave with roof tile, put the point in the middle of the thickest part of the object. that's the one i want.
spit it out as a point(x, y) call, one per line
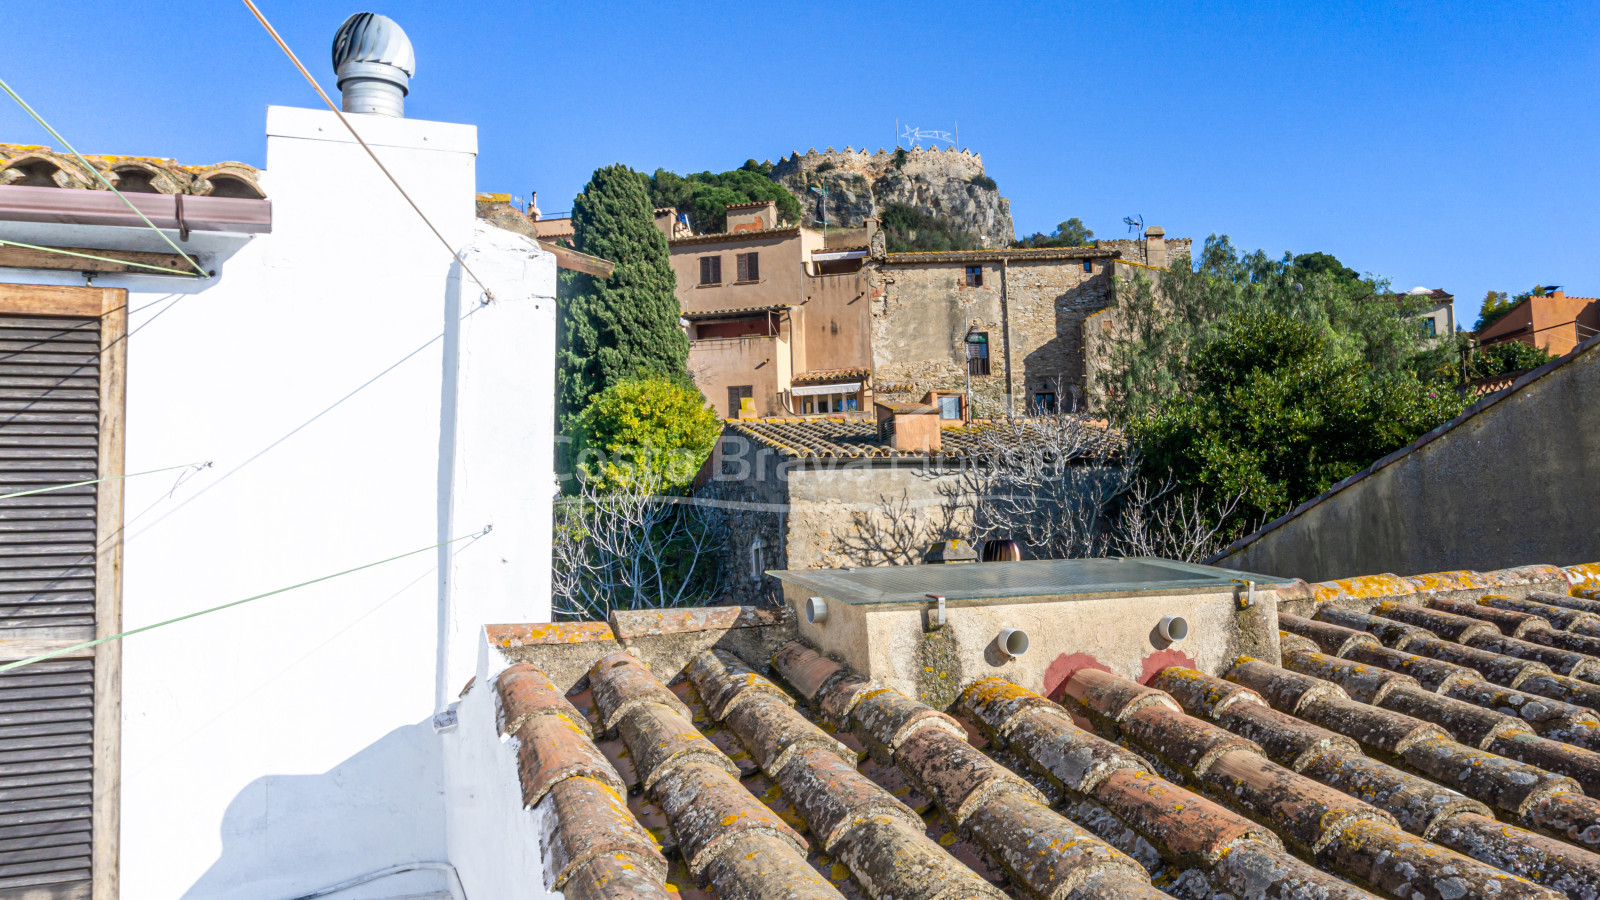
point(856, 437)
point(733, 237)
point(1012, 255)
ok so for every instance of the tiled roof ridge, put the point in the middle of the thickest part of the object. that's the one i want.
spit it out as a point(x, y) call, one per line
point(1470, 412)
point(879, 838)
point(1045, 853)
point(751, 205)
point(722, 236)
point(728, 837)
point(1010, 253)
point(1322, 822)
point(1504, 854)
point(1370, 588)
point(789, 435)
point(930, 747)
point(1551, 804)
point(1549, 717)
point(594, 846)
point(166, 176)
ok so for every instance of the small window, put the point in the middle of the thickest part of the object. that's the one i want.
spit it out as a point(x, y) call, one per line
point(1430, 328)
point(1044, 403)
point(737, 395)
point(710, 270)
point(974, 276)
point(950, 406)
point(1088, 265)
point(757, 558)
point(749, 267)
point(978, 354)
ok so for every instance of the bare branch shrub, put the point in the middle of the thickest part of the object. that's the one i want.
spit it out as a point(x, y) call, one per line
point(627, 546)
point(1050, 483)
point(1069, 487)
point(1159, 521)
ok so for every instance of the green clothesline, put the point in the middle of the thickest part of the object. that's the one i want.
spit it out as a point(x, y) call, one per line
point(115, 637)
point(100, 175)
point(58, 487)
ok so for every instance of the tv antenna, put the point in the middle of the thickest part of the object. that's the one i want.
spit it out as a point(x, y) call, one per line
point(1135, 223)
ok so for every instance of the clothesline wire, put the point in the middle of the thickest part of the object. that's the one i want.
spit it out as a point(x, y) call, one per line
point(59, 487)
point(63, 651)
point(101, 175)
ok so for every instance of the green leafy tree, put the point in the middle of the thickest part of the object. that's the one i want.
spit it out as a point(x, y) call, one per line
point(624, 326)
point(1071, 233)
point(706, 196)
point(1323, 264)
point(1504, 358)
point(652, 428)
point(1160, 325)
point(1279, 409)
point(1495, 305)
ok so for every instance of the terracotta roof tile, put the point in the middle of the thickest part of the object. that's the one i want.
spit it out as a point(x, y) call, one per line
point(1387, 757)
point(820, 376)
point(731, 237)
point(857, 438)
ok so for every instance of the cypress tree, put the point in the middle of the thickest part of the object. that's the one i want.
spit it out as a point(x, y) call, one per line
point(624, 326)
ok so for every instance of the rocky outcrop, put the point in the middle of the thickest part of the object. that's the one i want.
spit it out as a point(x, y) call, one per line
point(947, 184)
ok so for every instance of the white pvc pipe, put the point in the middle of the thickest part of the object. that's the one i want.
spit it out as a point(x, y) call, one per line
point(1173, 628)
point(816, 610)
point(1013, 641)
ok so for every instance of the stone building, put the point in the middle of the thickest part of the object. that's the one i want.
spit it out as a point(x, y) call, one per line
point(775, 314)
point(830, 491)
point(797, 321)
point(1011, 323)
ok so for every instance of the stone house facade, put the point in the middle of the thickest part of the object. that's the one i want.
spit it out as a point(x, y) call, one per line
point(793, 321)
point(1015, 322)
point(775, 315)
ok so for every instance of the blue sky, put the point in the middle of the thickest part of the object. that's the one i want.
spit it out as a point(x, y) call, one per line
point(1449, 145)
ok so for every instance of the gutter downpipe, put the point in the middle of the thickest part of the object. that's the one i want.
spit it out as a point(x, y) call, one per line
point(1005, 329)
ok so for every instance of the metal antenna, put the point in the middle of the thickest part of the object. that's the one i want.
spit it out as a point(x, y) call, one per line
point(1135, 223)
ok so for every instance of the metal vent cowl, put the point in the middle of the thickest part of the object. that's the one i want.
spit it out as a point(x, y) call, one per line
point(374, 62)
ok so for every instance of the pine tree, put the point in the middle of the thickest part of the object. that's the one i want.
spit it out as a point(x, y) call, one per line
point(624, 326)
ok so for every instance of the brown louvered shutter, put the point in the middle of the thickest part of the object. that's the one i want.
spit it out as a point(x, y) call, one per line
point(52, 390)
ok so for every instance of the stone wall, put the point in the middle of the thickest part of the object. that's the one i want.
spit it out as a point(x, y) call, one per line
point(1514, 481)
point(825, 513)
point(920, 313)
point(1133, 249)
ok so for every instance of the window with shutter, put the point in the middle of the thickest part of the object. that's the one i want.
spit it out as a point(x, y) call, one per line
point(61, 365)
point(749, 267)
point(710, 270)
point(978, 354)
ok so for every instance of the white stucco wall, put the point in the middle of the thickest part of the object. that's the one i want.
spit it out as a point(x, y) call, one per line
point(285, 745)
point(495, 842)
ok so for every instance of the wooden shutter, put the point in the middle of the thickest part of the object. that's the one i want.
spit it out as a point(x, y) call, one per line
point(61, 357)
point(749, 267)
point(710, 270)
